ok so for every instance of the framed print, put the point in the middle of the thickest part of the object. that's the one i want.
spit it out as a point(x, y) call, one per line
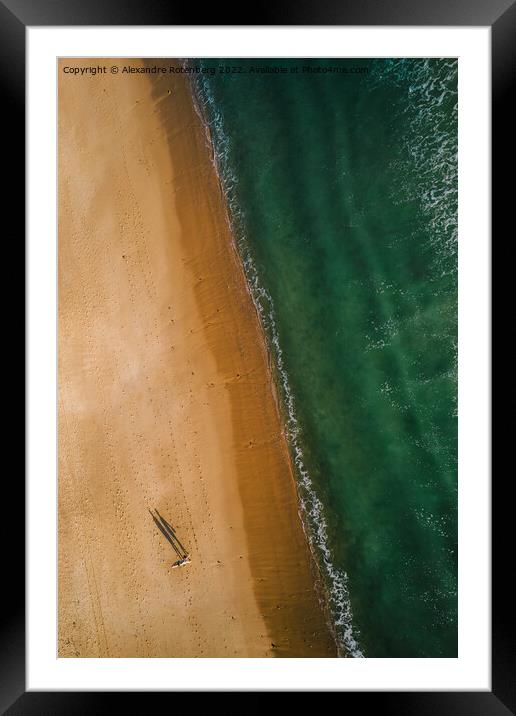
point(259, 351)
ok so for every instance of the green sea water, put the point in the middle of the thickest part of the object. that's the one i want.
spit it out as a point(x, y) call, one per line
point(342, 193)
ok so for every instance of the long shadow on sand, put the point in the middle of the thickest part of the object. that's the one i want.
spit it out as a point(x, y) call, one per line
point(171, 530)
point(169, 533)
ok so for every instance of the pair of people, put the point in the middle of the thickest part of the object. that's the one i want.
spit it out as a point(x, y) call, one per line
point(180, 562)
point(169, 532)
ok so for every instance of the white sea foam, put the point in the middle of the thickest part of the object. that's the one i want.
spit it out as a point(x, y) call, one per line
point(311, 507)
point(430, 160)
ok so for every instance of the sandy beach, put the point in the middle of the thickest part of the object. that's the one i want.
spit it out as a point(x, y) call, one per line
point(165, 397)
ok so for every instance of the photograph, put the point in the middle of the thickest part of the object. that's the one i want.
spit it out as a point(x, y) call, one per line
point(257, 357)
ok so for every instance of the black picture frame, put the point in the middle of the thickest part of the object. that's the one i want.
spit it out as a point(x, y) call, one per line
point(15, 17)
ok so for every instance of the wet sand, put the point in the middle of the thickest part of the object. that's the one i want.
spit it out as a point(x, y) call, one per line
point(165, 397)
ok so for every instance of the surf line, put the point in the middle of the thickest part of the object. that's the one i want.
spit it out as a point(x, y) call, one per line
point(311, 509)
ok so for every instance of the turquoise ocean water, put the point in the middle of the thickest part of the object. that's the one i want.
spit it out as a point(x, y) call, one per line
point(341, 185)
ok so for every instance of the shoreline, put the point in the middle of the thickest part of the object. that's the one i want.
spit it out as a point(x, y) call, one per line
point(274, 375)
point(278, 391)
point(331, 584)
point(165, 399)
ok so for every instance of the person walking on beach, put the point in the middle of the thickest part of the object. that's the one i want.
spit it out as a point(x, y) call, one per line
point(170, 534)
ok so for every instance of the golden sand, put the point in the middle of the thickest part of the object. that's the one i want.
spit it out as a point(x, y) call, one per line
point(165, 398)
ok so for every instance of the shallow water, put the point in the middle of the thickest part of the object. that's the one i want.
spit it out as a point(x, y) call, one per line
point(342, 192)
